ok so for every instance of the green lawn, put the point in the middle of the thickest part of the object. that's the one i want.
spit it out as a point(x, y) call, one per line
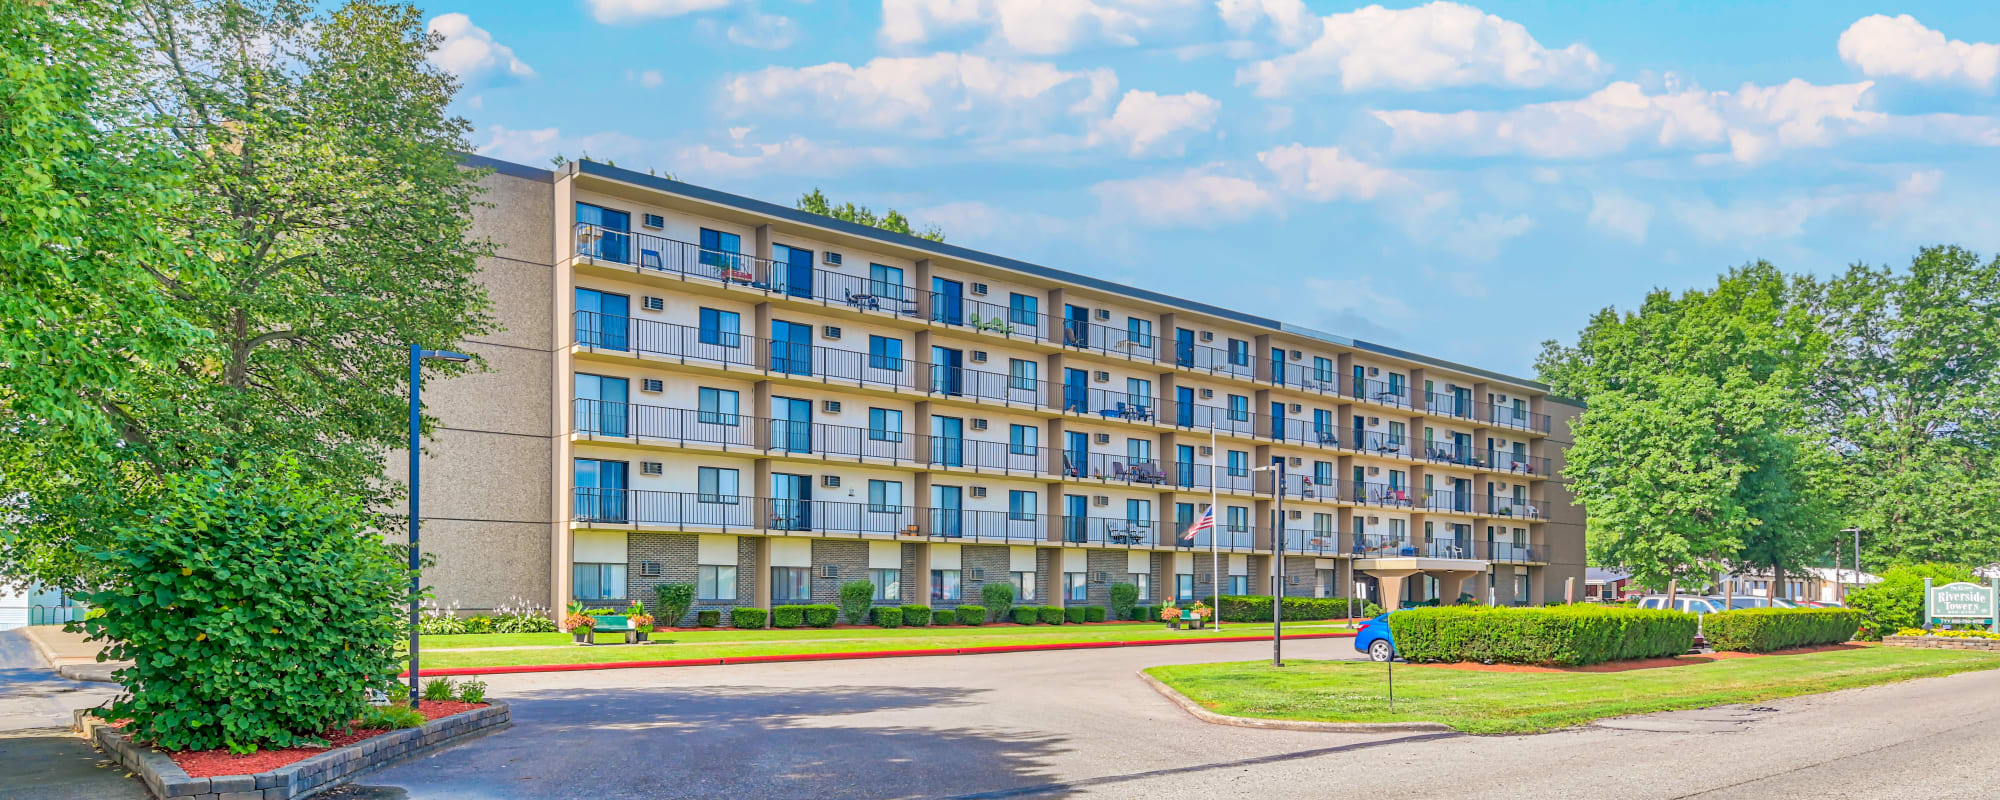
point(1527, 702)
point(555, 648)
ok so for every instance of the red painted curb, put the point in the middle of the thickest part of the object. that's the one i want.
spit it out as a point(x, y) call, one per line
point(862, 654)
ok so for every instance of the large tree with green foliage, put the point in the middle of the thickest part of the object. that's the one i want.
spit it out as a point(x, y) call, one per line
point(1909, 399)
point(814, 202)
point(238, 215)
point(1694, 453)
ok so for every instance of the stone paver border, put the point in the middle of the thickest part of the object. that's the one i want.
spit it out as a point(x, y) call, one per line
point(1196, 710)
point(167, 781)
point(1943, 643)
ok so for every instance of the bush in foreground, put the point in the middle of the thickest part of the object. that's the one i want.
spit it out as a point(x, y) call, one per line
point(1026, 615)
point(1257, 608)
point(1762, 630)
point(788, 616)
point(1049, 615)
point(1074, 614)
point(708, 618)
point(673, 600)
point(916, 616)
point(998, 600)
point(746, 617)
point(1556, 636)
point(256, 603)
point(855, 598)
point(1093, 613)
point(972, 615)
point(943, 616)
point(889, 616)
point(821, 615)
point(1124, 597)
point(1898, 601)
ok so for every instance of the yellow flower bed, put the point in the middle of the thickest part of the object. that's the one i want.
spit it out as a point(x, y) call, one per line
point(1949, 634)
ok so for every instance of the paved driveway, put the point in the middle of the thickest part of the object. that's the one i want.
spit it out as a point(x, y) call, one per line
point(40, 759)
point(1078, 724)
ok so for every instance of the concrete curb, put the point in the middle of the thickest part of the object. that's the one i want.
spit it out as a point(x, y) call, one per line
point(98, 673)
point(47, 655)
point(859, 654)
point(1198, 712)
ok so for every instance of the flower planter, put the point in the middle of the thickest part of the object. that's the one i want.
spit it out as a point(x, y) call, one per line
point(582, 637)
point(639, 637)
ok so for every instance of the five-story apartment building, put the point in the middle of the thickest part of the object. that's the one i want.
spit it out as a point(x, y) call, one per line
point(697, 387)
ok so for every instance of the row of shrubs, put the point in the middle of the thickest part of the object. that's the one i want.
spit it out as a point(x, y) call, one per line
point(1566, 636)
point(912, 616)
point(1762, 630)
point(1257, 608)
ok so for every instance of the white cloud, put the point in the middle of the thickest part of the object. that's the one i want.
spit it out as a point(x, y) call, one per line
point(764, 31)
point(1151, 123)
point(1326, 173)
point(1437, 219)
point(976, 221)
point(610, 11)
point(1620, 214)
point(1431, 46)
point(1901, 47)
point(1343, 298)
point(1039, 27)
point(649, 78)
point(469, 52)
point(793, 156)
point(1752, 123)
point(536, 147)
point(1290, 22)
point(926, 96)
point(1201, 197)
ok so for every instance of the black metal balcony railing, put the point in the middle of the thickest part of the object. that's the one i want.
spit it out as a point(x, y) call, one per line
point(1511, 553)
point(1519, 508)
point(1508, 416)
point(1196, 475)
point(1375, 391)
point(984, 526)
point(605, 420)
point(1310, 541)
point(1379, 545)
point(1109, 531)
point(660, 254)
point(1225, 537)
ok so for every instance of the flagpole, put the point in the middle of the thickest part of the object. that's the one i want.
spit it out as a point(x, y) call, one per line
point(1215, 529)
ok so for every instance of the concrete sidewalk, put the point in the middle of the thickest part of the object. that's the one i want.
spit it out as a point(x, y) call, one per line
point(70, 655)
point(40, 757)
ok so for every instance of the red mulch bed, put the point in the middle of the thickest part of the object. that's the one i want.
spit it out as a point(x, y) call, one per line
point(212, 763)
point(1640, 663)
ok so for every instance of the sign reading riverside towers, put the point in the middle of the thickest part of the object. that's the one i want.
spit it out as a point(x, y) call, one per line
point(1961, 603)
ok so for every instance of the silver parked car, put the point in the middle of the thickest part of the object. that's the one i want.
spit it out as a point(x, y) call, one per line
point(1692, 604)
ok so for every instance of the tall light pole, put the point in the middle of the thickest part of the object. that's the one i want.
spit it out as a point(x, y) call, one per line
point(1277, 470)
point(1857, 561)
point(417, 356)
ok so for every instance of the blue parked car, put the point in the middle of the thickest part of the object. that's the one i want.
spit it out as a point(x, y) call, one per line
point(1373, 639)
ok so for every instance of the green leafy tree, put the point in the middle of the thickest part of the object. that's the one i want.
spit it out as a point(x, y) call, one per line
point(998, 600)
point(814, 202)
point(1909, 398)
point(673, 601)
point(855, 598)
point(256, 607)
point(1124, 596)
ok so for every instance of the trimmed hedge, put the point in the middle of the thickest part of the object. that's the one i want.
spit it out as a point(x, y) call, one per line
point(1762, 630)
point(708, 618)
point(1049, 615)
point(971, 615)
point(1026, 615)
point(1093, 613)
point(916, 616)
point(998, 599)
point(1257, 608)
point(746, 618)
point(1074, 614)
point(788, 616)
point(1569, 636)
point(822, 615)
point(1146, 613)
point(943, 616)
point(889, 616)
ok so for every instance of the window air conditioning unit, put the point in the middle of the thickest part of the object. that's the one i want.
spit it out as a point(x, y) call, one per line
point(1296, 355)
point(1208, 394)
point(978, 356)
point(652, 468)
point(1100, 500)
point(979, 289)
point(830, 406)
point(1296, 461)
point(1104, 438)
point(1100, 578)
point(1296, 409)
point(1104, 313)
point(653, 221)
point(1296, 514)
point(1207, 451)
point(979, 573)
point(978, 492)
point(1374, 520)
point(829, 570)
point(649, 569)
point(654, 385)
point(1374, 421)
point(652, 303)
point(830, 331)
point(1102, 376)
point(978, 424)
point(832, 259)
point(1208, 336)
point(1374, 370)
point(1292, 579)
point(830, 481)
point(1374, 470)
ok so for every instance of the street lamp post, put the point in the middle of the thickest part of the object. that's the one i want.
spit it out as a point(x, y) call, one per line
point(1857, 561)
point(1277, 470)
point(417, 356)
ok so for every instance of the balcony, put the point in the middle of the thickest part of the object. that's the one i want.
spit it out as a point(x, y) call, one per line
point(1109, 531)
point(1376, 545)
point(1513, 507)
point(1310, 542)
point(601, 420)
point(648, 253)
point(1509, 417)
point(1511, 553)
point(984, 526)
point(642, 508)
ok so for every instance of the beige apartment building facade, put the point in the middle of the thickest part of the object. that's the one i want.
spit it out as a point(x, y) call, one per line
point(696, 387)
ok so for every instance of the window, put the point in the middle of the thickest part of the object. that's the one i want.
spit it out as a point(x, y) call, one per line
point(885, 352)
point(1396, 433)
point(1184, 587)
point(1024, 309)
point(1325, 587)
point(718, 406)
point(1521, 589)
point(1239, 463)
point(1024, 582)
point(1144, 582)
point(885, 424)
point(1022, 505)
point(1024, 440)
point(791, 584)
point(885, 281)
point(717, 485)
point(1075, 587)
point(1023, 374)
point(1322, 369)
point(1239, 585)
point(1139, 392)
point(1395, 384)
point(888, 583)
point(1139, 332)
point(722, 328)
point(1239, 407)
point(944, 585)
point(1239, 352)
point(1239, 518)
point(1323, 473)
point(1139, 513)
point(715, 583)
point(885, 497)
point(1139, 451)
point(719, 249)
point(599, 581)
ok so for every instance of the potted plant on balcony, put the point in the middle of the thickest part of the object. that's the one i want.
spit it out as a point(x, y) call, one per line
point(641, 622)
point(579, 623)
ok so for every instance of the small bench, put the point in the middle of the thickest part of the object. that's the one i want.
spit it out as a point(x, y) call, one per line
point(614, 623)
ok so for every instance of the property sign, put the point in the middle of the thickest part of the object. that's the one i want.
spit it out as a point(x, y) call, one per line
point(1961, 602)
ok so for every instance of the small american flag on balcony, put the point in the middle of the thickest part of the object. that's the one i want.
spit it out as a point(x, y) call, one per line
point(1206, 523)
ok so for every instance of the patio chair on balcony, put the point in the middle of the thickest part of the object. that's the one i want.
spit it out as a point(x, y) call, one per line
point(1070, 469)
point(1116, 410)
point(650, 259)
point(1328, 439)
point(862, 302)
point(1118, 472)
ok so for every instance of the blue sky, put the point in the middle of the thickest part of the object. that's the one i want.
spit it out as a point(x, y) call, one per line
point(1462, 180)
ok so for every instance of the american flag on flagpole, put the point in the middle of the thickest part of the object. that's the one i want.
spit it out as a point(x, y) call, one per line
point(1206, 523)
